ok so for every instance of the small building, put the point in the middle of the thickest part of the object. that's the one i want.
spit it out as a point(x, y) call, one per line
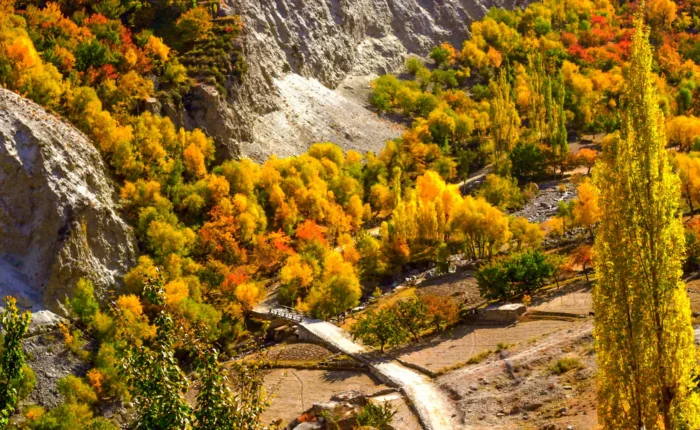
point(508, 313)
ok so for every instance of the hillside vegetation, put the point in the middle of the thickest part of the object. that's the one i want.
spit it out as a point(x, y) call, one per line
point(328, 227)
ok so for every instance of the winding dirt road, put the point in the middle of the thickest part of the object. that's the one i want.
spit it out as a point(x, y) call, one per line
point(431, 403)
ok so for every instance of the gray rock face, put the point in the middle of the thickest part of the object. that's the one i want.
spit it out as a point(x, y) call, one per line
point(299, 51)
point(57, 214)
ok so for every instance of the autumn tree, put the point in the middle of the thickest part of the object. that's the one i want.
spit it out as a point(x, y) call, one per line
point(505, 121)
point(644, 337)
point(688, 168)
point(587, 157)
point(525, 234)
point(442, 310)
point(158, 384)
point(586, 209)
point(583, 257)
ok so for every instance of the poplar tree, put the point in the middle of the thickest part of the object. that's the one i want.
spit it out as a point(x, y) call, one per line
point(540, 87)
point(643, 332)
point(505, 121)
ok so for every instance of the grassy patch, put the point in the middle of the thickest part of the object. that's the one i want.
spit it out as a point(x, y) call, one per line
point(478, 358)
point(566, 364)
point(502, 346)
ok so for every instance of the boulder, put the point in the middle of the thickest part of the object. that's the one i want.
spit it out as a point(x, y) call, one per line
point(58, 217)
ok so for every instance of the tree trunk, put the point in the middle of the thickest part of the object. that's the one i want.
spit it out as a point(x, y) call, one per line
point(690, 203)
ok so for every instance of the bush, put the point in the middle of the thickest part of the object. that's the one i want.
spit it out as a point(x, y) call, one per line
point(74, 389)
point(413, 64)
point(25, 383)
point(376, 416)
point(519, 273)
point(565, 364)
point(478, 358)
point(83, 303)
point(69, 416)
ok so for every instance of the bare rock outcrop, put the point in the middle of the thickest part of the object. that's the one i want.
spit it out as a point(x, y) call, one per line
point(58, 220)
point(301, 54)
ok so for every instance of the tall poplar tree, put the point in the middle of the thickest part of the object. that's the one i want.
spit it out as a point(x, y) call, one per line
point(540, 87)
point(644, 337)
point(505, 121)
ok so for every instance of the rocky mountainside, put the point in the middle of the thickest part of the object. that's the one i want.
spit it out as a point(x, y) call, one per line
point(305, 56)
point(58, 220)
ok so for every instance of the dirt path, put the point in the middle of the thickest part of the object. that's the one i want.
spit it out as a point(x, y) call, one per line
point(434, 409)
point(432, 405)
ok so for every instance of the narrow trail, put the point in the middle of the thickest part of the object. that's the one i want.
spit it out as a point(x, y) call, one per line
point(431, 403)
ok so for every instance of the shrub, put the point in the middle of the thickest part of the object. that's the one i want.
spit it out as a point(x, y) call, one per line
point(478, 358)
point(83, 303)
point(74, 389)
point(376, 416)
point(413, 64)
point(25, 383)
point(566, 364)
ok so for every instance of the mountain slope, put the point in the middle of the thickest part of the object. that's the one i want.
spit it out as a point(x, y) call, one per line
point(58, 220)
point(294, 48)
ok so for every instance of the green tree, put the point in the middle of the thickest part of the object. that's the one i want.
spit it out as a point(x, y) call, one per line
point(217, 405)
point(158, 384)
point(15, 326)
point(520, 273)
point(528, 162)
point(412, 314)
point(556, 123)
point(540, 95)
point(501, 192)
point(380, 329)
point(644, 337)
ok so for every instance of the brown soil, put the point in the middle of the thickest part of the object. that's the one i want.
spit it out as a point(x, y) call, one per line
point(517, 389)
point(573, 299)
point(461, 286)
point(298, 352)
point(295, 391)
point(454, 348)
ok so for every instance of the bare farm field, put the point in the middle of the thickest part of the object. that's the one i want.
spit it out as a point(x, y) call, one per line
point(461, 286)
point(457, 346)
point(546, 384)
point(573, 299)
point(295, 391)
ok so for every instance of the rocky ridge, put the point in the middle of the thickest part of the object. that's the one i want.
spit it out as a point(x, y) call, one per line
point(302, 53)
point(58, 218)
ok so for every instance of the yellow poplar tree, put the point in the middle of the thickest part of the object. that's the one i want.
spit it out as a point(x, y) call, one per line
point(643, 332)
point(505, 121)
